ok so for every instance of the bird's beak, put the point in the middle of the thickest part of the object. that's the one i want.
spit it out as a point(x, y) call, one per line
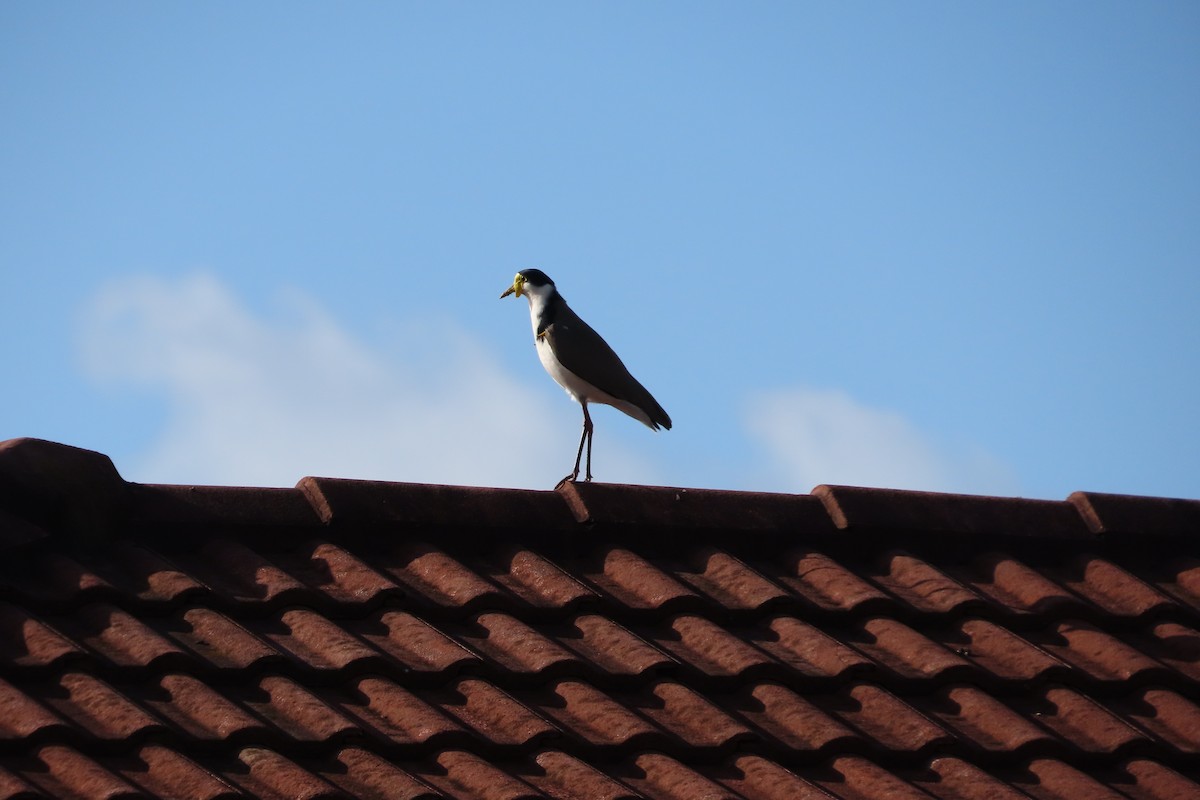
point(515, 288)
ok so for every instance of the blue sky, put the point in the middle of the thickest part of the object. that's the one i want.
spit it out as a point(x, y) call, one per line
point(946, 246)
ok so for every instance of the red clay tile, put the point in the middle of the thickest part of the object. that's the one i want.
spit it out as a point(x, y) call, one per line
point(603, 643)
point(413, 643)
point(924, 588)
point(29, 643)
point(427, 572)
point(1049, 779)
point(152, 579)
point(22, 717)
point(957, 514)
point(469, 776)
point(539, 582)
point(98, 708)
point(118, 636)
point(1013, 585)
point(616, 507)
point(68, 773)
point(220, 642)
point(984, 722)
point(709, 648)
point(339, 574)
point(198, 710)
point(1149, 780)
point(634, 582)
point(1083, 722)
point(756, 778)
point(17, 533)
point(856, 778)
point(1097, 654)
point(1001, 652)
point(729, 582)
point(13, 786)
point(399, 715)
point(494, 715)
point(1177, 646)
point(1166, 715)
point(828, 585)
point(513, 645)
point(585, 711)
point(193, 513)
point(687, 715)
point(1128, 517)
point(1182, 580)
point(955, 779)
point(361, 773)
point(266, 774)
point(907, 653)
point(794, 721)
point(370, 505)
point(810, 652)
point(299, 714)
point(563, 777)
point(245, 576)
point(316, 641)
point(885, 720)
point(1111, 588)
point(162, 772)
point(663, 778)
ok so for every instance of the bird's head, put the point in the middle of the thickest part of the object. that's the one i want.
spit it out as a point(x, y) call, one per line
point(529, 281)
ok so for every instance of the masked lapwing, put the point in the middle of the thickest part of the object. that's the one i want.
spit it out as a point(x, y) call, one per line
point(581, 362)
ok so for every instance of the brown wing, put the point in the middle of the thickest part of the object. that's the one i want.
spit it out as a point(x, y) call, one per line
point(585, 353)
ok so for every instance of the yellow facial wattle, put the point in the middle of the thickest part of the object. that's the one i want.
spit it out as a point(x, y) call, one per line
point(517, 284)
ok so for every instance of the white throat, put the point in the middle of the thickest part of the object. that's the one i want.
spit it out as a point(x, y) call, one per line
point(538, 296)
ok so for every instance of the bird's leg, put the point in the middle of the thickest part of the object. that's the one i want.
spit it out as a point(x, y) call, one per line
point(587, 427)
point(586, 437)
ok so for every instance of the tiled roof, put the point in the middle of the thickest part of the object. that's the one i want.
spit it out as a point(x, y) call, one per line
point(369, 639)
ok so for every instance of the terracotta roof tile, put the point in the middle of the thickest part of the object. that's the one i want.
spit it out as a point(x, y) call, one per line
point(810, 652)
point(466, 775)
point(162, 772)
point(829, 586)
point(214, 640)
point(495, 716)
point(632, 581)
point(1147, 780)
point(27, 643)
point(794, 721)
point(883, 719)
point(1049, 779)
point(611, 648)
point(592, 715)
point(954, 779)
point(119, 637)
point(757, 778)
point(905, 652)
point(705, 646)
point(64, 772)
point(559, 775)
point(264, 773)
point(361, 773)
point(371, 639)
point(1101, 656)
point(413, 643)
point(985, 722)
point(856, 778)
point(1166, 715)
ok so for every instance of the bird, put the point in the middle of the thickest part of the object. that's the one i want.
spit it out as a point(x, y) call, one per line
point(581, 362)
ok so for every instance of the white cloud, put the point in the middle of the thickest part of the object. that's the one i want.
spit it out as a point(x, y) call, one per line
point(825, 436)
point(264, 401)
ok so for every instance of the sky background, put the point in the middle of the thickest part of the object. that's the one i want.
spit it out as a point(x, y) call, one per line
point(946, 246)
